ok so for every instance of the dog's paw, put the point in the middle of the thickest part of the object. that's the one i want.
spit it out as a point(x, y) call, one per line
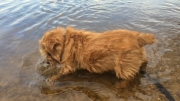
point(53, 78)
point(49, 82)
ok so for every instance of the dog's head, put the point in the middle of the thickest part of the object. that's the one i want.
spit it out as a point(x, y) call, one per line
point(52, 44)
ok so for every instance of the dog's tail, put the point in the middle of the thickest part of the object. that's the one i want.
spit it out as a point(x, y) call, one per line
point(145, 39)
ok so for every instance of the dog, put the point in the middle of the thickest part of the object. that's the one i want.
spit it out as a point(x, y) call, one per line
point(121, 51)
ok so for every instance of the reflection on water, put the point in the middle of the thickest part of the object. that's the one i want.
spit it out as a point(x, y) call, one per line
point(22, 23)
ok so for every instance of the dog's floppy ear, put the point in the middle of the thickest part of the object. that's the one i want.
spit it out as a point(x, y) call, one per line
point(51, 44)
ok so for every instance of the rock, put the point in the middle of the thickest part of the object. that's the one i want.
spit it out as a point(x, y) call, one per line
point(178, 94)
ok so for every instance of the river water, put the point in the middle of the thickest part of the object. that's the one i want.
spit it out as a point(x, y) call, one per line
point(23, 22)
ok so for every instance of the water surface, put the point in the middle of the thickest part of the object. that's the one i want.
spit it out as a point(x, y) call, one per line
point(22, 23)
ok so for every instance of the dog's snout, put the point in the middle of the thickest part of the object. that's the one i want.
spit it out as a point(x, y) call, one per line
point(48, 62)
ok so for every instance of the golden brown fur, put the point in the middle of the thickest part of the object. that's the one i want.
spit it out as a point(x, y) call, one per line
point(120, 51)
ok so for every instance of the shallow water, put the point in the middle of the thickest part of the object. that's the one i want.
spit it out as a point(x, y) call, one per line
point(22, 23)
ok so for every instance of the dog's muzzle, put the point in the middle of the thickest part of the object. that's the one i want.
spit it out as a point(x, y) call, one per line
point(48, 62)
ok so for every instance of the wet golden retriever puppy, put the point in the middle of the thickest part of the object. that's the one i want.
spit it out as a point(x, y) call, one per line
point(121, 51)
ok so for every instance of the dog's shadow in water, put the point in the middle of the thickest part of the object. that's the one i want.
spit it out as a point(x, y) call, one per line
point(108, 79)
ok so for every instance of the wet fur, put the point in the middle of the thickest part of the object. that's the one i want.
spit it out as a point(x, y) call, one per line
point(121, 51)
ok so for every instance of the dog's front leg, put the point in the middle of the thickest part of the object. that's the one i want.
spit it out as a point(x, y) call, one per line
point(66, 69)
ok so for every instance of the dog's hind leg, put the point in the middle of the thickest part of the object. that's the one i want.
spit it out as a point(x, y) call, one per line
point(144, 63)
point(143, 67)
point(64, 70)
point(127, 67)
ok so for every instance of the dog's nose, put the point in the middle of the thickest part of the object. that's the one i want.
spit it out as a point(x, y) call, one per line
point(48, 62)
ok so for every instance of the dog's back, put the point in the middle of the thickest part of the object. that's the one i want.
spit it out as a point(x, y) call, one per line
point(118, 50)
